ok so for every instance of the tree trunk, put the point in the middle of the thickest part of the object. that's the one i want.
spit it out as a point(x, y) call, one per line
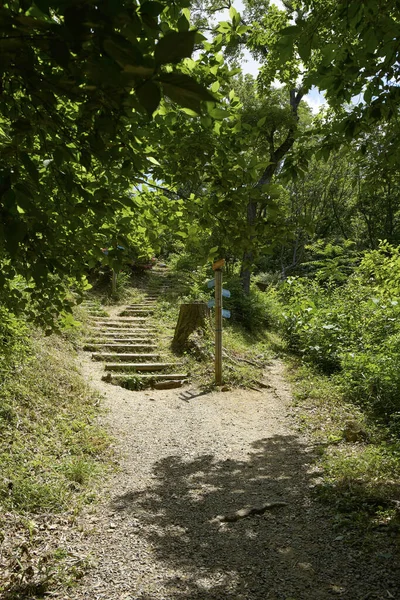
point(191, 317)
point(248, 255)
point(276, 157)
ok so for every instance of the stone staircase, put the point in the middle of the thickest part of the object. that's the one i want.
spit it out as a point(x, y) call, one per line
point(128, 344)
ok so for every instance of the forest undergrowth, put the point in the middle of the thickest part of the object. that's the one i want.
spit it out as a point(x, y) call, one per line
point(340, 331)
point(52, 453)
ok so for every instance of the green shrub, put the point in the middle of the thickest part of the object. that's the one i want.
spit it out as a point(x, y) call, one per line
point(309, 325)
point(352, 329)
point(14, 342)
point(372, 379)
point(254, 311)
point(181, 262)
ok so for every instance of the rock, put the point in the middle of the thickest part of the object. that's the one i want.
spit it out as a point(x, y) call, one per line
point(168, 385)
point(263, 384)
point(225, 388)
point(353, 432)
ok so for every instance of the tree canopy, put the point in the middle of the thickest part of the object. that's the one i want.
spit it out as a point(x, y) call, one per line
point(121, 123)
point(79, 82)
point(350, 52)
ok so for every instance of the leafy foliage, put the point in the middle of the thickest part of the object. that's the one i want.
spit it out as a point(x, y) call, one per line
point(352, 329)
point(79, 80)
point(349, 48)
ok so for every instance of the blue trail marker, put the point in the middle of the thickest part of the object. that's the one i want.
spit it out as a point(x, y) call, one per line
point(211, 283)
point(226, 313)
point(226, 293)
point(211, 303)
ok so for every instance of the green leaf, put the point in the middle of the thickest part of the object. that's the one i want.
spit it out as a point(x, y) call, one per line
point(153, 9)
point(183, 23)
point(30, 166)
point(86, 159)
point(184, 90)
point(224, 27)
point(36, 11)
point(284, 48)
point(16, 231)
point(304, 48)
point(123, 52)
point(190, 112)
point(43, 5)
point(59, 156)
point(291, 30)
point(175, 46)
point(218, 113)
point(139, 71)
point(234, 15)
point(149, 96)
point(59, 51)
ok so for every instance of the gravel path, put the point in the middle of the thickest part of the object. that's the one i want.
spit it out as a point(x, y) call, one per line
point(188, 457)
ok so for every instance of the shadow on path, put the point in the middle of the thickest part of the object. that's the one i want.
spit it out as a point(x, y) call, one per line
point(290, 553)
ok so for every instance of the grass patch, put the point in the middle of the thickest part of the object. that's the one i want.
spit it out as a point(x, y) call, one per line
point(359, 460)
point(51, 453)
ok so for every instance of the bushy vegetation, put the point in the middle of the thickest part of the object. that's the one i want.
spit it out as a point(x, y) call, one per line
point(46, 419)
point(253, 311)
point(351, 329)
point(51, 450)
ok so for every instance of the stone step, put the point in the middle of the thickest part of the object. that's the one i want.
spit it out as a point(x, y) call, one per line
point(112, 339)
point(155, 377)
point(125, 341)
point(123, 357)
point(123, 332)
point(134, 327)
point(136, 312)
point(139, 366)
point(92, 347)
point(145, 303)
point(112, 327)
point(122, 326)
point(144, 309)
point(92, 306)
point(119, 321)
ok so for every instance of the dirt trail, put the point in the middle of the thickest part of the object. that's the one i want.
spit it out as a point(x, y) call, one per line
point(188, 457)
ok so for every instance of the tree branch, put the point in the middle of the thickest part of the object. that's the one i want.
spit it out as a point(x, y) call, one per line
point(278, 154)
